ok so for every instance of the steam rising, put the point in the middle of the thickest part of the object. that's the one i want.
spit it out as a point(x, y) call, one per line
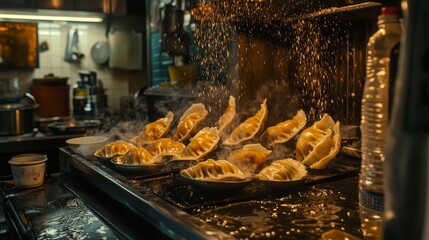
point(291, 53)
point(240, 52)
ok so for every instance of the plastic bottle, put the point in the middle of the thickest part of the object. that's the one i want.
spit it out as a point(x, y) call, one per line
point(375, 121)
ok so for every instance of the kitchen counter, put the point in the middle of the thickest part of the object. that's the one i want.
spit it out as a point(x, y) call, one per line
point(327, 200)
point(32, 143)
point(66, 207)
point(54, 211)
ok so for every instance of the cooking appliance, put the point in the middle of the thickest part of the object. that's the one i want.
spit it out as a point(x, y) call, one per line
point(89, 97)
point(57, 212)
point(42, 123)
point(310, 58)
point(18, 118)
point(167, 200)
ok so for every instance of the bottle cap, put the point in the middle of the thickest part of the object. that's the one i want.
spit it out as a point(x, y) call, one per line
point(389, 14)
point(390, 10)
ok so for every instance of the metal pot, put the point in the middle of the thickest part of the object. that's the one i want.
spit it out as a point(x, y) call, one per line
point(17, 118)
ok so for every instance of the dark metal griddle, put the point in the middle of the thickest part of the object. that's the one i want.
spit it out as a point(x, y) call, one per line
point(168, 201)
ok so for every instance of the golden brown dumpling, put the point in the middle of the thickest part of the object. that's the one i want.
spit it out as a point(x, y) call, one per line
point(154, 130)
point(283, 170)
point(211, 170)
point(190, 122)
point(136, 156)
point(249, 128)
point(228, 116)
point(250, 154)
point(115, 148)
point(319, 144)
point(284, 131)
point(165, 147)
point(204, 142)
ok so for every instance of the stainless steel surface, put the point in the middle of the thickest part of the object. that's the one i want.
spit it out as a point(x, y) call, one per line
point(281, 186)
point(168, 201)
point(51, 212)
point(17, 118)
point(73, 126)
point(212, 187)
point(306, 214)
point(148, 205)
point(137, 170)
point(125, 50)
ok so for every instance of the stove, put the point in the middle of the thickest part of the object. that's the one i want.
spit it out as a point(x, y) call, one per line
point(62, 209)
point(172, 206)
point(50, 212)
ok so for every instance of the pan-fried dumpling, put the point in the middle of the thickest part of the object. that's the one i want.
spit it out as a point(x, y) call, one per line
point(318, 144)
point(283, 170)
point(165, 147)
point(250, 155)
point(228, 116)
point(154, 130)
point(115, 148)
point(137, 156)
point(284, 131)
point(204, 142)
point(249, 128)
point(190, 122)
point(211, 170)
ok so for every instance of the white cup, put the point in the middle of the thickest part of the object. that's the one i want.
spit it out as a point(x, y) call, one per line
point(28, 170)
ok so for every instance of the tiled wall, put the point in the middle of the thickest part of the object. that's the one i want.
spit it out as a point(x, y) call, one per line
point(117, 82)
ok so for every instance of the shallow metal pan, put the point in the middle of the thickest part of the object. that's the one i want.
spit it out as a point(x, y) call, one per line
point(73, 126)
point(216, 187)
point(137, 170)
